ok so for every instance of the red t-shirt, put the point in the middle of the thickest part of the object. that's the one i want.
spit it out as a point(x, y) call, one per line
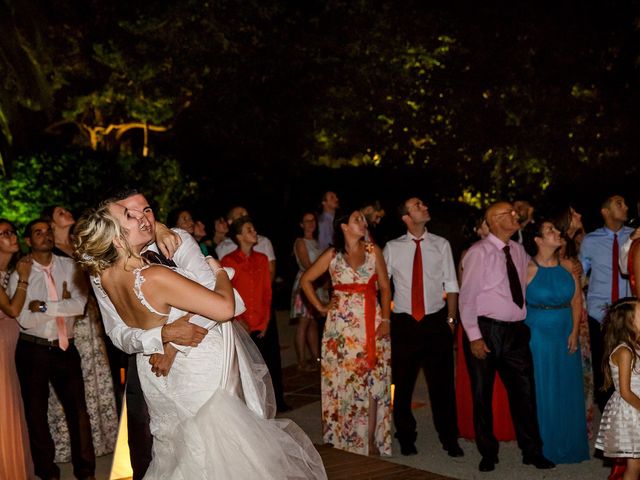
point(253, 282)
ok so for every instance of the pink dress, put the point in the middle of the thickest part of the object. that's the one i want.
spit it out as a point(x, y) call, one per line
point(15, 454)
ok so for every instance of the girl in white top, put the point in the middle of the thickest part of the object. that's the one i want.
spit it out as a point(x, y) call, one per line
point(619, 435)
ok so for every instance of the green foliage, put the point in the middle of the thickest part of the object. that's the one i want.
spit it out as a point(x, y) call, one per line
point(81, 179)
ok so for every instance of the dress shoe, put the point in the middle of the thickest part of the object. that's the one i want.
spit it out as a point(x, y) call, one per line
point(539, 461)
point(618, 469)
point(454, 451)
point(487, 464)
point(407, 448)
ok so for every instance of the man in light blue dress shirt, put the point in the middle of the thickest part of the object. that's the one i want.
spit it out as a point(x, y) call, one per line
point(597, 257)
point(330, 204)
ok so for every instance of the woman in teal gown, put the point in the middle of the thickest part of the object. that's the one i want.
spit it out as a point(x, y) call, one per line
point(553, 315)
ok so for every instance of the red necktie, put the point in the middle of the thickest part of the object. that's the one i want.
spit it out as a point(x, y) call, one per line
point(615, 272)
point(417, 288)
point(52, 294)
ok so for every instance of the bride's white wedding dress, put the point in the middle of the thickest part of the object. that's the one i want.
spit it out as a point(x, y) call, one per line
point(212, 417)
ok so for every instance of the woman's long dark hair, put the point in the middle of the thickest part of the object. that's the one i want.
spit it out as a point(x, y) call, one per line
point(561, 219)
point(14, 257)
point(341, 217)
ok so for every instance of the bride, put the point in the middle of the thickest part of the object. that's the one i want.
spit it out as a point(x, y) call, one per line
point(212, 416)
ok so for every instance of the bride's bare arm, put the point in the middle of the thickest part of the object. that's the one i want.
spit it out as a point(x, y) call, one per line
point(164, 286)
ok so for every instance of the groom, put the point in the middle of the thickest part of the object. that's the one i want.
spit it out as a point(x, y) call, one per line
point(161, 344)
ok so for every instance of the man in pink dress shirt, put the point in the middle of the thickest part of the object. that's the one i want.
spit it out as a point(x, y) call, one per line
point(492, 311)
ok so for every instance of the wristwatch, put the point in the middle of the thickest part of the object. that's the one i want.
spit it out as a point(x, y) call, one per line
point(42, 307)
point(452, 321)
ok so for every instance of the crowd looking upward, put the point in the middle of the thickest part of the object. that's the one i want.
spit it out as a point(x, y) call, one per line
point(528, 309)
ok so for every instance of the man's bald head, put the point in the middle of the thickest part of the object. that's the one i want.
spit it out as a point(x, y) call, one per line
point(502, 220)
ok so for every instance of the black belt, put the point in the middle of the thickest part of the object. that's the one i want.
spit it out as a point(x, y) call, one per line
point(548, 307)
point(41, 341)
point(500, 323)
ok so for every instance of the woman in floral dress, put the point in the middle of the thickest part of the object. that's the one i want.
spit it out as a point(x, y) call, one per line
point(356, 349)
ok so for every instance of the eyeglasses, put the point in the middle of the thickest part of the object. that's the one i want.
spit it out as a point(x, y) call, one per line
point(8, 233)
point(510, 212)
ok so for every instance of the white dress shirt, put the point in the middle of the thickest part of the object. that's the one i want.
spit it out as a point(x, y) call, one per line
point(624, 256)
point(188, 257)
point(438, 271)
point(43, 325)
point(264, 246)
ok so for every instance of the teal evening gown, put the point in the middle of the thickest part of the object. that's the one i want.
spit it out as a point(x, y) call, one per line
point(557, 372)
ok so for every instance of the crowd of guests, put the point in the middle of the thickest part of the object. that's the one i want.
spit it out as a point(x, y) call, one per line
point(534, 324)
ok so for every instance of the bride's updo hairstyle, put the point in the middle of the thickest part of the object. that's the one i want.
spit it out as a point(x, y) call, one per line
point(94, 234)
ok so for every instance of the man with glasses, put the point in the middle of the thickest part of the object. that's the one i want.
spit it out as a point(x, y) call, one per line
point(422, 323)
point(492, 311)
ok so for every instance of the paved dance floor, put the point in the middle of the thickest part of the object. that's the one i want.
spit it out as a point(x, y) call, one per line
point(303, 394)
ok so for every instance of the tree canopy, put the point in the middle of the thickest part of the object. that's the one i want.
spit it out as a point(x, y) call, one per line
point(492, 99)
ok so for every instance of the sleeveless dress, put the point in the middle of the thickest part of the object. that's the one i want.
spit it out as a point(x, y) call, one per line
point(619, 434)
point(300, 306)
point(212, 416)
point(348, 379)
point(557, 373)
point(15, 454)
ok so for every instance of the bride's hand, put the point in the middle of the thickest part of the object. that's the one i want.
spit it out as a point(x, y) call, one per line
point(167, 240)
point(161, 363)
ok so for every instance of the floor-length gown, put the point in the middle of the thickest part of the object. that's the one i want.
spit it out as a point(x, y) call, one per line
point(502, 423)
point(347, 380)
point(557, 372)
point(15, 454)
point(212, 416)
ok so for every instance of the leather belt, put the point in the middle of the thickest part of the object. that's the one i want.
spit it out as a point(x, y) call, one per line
point(500, 323)
point(41, 341)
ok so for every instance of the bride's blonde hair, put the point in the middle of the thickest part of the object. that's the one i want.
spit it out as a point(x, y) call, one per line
point(94, 236)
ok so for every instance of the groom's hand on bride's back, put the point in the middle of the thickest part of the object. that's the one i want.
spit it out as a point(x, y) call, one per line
point(182, 332)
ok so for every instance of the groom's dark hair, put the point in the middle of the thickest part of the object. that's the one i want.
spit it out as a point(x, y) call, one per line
point(121, 192)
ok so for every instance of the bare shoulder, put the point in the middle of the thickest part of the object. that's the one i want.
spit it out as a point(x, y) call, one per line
point(532, 269)
point(622, 355)
point(158, 273)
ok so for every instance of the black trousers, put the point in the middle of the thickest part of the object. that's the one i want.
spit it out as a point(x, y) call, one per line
point(269, 347)
point(427, 344)
point(139, 433)
point(37, 365)
point(511, 356)
point(597, 349)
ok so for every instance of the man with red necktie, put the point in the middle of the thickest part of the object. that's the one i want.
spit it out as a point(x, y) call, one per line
point(46, 353)
point(599, 255)
point(422, 323)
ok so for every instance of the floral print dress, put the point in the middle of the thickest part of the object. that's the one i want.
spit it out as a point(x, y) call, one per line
point(349, 378)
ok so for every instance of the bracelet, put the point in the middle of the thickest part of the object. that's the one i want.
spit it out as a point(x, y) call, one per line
point(23, 281)
point(21, 287)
